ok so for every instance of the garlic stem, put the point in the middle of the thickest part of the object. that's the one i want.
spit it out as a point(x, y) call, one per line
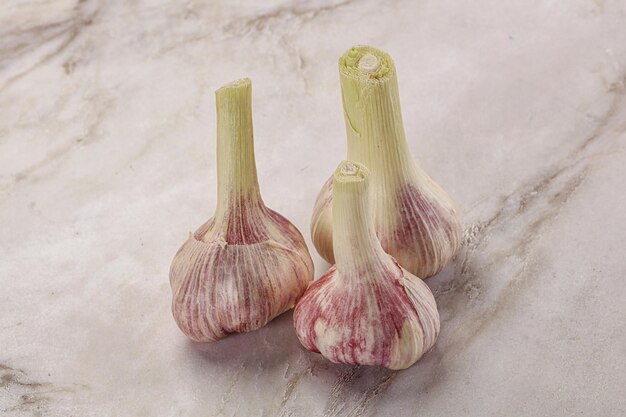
point(238, 195)
point(372, 111)
point(236, 167)
point(354, 238)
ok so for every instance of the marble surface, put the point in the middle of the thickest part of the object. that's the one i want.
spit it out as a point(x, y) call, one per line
point(107, 161)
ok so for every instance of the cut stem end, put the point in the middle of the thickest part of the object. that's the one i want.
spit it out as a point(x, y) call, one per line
point(369, 63)
point(366, 62)
point(350, 171)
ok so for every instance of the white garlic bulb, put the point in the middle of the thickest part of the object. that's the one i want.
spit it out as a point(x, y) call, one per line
point(415, 220)
point(247, 264)
point(366, 309)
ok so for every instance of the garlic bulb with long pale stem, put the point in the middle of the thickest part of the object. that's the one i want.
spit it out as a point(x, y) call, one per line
point(247, 264)
point(415, 220)
point(366, 309)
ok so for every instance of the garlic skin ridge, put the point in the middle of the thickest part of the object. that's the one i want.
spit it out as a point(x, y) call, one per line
point(366, 309)
point(415, 219)
point(247, 264)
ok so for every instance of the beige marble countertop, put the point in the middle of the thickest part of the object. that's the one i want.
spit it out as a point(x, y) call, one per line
point(107, 161)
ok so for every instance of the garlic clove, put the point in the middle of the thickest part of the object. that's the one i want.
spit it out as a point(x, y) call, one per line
point(247, 264)
point(415, 219)
point(366, 309)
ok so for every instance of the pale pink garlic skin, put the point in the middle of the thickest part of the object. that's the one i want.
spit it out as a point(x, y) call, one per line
point(391, 321)
point(220, 288)
point(414, 218)
point(247, 264)
point(366, 309)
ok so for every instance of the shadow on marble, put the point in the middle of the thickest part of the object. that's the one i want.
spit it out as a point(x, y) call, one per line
point(269, 344)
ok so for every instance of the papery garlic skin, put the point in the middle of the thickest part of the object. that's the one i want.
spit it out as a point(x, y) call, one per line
point(366, 309)
point(247, 264)
point(415, 219)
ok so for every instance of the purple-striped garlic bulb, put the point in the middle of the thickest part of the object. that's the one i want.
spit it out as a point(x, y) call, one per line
point(416, 221)
point(247, 264)
point(366, 309)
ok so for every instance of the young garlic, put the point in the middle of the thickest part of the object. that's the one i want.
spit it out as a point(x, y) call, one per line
point(247, 264)
point(366, 309)
point(414, 218)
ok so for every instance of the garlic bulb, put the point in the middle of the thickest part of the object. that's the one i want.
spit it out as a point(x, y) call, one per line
point(414, 218)
point(366, 309)
point(247, 264)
